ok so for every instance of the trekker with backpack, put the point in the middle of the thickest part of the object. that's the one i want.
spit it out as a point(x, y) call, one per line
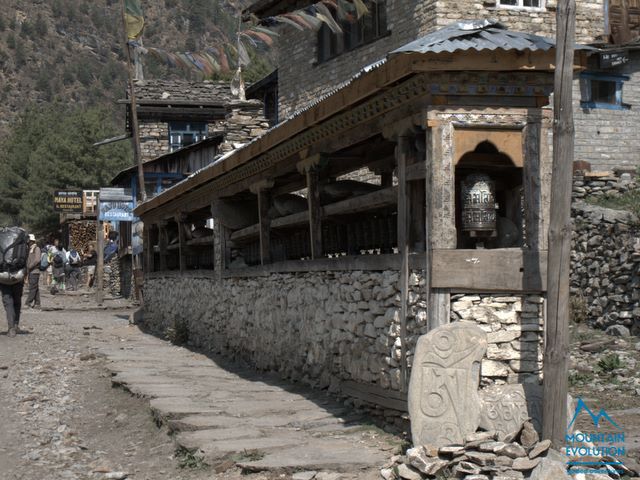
point(58, 262)
point(33, 269)
point(13, 261)
point(73, 268)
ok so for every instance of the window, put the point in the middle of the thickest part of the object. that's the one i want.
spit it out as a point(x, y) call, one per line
point(521, 3)
point(368, 28)
point(600, 90)
point(182, 134)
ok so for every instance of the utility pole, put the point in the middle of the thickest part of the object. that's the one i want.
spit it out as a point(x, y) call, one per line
point(134, 109)
point(556, 353)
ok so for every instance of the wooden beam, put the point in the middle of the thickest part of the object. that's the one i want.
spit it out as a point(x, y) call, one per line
point(162, 244)
point(261, 189)
point(403, 149)
point(360, 262)
point(427, 233)
point(361, 203)
point(182, 241)
point(556, 352)
point(315, 212)
point(99, 278)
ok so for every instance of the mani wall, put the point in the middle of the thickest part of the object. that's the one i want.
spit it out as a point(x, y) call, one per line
point(326, 328)
point(302, 79)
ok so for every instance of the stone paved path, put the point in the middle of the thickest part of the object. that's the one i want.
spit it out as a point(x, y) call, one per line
point(254, 420)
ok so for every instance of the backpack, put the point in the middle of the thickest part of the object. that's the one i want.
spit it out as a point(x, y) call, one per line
point(14, 251)
point(58, 260)
point(44, 261)
point(74, 258)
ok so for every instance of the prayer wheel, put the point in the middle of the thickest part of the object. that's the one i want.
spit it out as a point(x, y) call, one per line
point(478, 205)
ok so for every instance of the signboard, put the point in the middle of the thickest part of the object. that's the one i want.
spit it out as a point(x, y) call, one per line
point(115, 205)
point(613, 59)
point(115, 211)
point(67, 201)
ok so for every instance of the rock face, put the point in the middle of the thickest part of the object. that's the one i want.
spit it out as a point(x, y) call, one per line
point(444, 404)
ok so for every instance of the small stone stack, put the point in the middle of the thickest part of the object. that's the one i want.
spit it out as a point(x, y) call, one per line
point(481, 457)
point(611, 185)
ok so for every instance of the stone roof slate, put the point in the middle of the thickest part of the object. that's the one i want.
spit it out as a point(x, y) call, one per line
point(185, 91)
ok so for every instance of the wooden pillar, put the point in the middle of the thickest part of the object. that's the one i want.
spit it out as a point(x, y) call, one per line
point(311, 167)
point(261, 189)
point(403, 152)
point(182, 241)
point(162, 244)
point(428, 254)
point(556, 353)
point(99, 278)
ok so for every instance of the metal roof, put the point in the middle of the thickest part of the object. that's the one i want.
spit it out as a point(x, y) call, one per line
point(478, 35)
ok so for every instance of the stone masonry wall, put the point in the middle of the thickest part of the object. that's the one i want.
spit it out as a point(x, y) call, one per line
point(605, 258)
point(322, 328)
point(244, 122)
point(605, 138)
point(301, 79)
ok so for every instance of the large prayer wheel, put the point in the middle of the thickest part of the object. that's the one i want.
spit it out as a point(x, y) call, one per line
point(478, 205)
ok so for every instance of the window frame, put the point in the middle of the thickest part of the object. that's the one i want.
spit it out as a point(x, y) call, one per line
point(520, 6)
point(586, 90)
point(199, 134)
point(330, 45)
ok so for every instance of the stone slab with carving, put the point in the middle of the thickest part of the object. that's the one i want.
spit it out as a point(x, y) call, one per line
point(444, 404)
point(506, 407)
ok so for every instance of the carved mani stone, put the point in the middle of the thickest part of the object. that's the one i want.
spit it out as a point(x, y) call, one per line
point(506, 407)
point(443, 391)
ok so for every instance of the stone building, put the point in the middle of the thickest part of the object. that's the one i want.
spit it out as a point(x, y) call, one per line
point(184, 126)
point(312, 63)
point(331, 282)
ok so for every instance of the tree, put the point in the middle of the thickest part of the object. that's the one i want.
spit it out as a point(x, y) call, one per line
point(50, 148)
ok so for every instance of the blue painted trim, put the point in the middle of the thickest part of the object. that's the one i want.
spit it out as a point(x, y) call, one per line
point(605, 77)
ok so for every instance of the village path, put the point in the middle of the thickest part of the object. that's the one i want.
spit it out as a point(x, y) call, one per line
point(189, 418)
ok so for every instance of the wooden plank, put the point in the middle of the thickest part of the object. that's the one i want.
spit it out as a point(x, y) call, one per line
point(439, 307)
point(182, 243)
point(499, 270)
point(427, 222)
point(360, 262)
point(556, 351)
point(201, 241)
point(376, 395)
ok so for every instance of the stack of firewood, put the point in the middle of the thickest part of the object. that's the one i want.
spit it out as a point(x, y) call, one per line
point(81, 234)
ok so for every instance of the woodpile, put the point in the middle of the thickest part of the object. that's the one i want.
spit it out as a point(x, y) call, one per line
point(81, 234)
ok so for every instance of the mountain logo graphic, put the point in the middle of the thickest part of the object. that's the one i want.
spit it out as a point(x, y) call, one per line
point(602, 415)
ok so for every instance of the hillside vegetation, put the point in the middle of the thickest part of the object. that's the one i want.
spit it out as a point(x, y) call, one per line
point(62, 63)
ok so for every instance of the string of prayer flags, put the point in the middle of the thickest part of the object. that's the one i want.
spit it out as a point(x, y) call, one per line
point(134, 20)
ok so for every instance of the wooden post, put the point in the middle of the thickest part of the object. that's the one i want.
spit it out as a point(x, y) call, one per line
point(162, 244)
point(134, 111)
point(428, 254)
point(99, 279)
point(315, 212)
point(403, 149)
point(182, 242)
point(556, 354)
point(261, 189)
point(148, 247)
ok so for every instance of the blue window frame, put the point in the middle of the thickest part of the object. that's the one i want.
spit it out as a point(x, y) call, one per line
point(602, 90)
point(182, 134)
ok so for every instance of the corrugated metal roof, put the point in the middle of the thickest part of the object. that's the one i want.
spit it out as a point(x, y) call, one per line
point(476, 35)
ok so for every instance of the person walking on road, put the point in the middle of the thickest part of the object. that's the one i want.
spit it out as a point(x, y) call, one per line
point(33, 269)
point(13, 268)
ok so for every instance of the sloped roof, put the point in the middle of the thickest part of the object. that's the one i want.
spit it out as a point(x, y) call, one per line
point(180, 91)
point(476, 35)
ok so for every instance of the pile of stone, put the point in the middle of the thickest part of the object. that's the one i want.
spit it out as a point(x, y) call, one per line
point(595, 186)
point(518, 455)
point(605, 267)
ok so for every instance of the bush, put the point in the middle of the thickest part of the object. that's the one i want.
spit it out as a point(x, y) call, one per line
point(578, 309)
point(609, 363)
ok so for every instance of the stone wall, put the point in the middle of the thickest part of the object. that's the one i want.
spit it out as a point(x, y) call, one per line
point(244, 122)
point(608, 139)
point(515, 333)
point(605, 258)
point(323, 328)
point(302, 79)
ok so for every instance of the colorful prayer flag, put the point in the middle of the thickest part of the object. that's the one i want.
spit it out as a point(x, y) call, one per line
point(133, 18)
